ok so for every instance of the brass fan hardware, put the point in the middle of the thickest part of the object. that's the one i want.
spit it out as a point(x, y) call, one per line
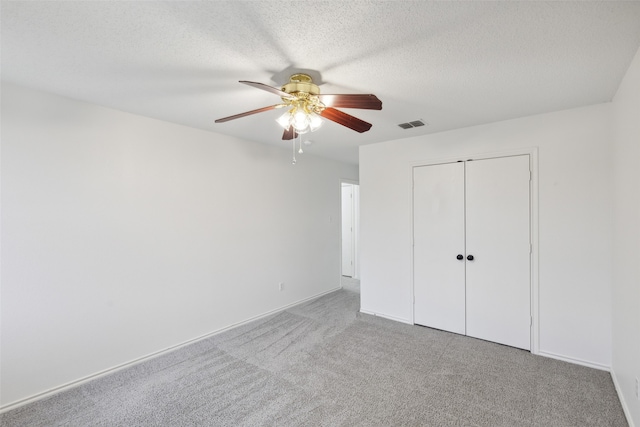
point(306, 106)
point(301, 83)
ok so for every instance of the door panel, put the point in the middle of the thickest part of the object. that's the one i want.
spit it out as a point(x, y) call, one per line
point(438, 218)
point(497, 236)
point(347, 230)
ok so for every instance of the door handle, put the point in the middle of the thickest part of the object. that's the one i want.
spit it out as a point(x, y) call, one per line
point(459, 256)
point(470, 257)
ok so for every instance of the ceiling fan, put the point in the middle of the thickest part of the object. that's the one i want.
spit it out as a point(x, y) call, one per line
point(306, 106)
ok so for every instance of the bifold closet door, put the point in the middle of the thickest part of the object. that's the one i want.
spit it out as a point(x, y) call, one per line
point(438, 227)
point(471, 250)
point(497, 236)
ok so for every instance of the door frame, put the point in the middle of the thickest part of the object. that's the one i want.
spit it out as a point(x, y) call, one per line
point(356, 248)
point(533, 194)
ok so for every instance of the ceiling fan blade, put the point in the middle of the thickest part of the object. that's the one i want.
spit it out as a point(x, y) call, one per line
point(345, 119)
point(248, 113)
point(366, 102)
point(289, 133)
point(268, 88)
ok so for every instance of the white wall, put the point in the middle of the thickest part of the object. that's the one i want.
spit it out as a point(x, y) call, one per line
point(124, 235)
point(626, 248)
point(575, 222)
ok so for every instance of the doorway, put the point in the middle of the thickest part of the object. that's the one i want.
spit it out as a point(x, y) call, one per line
point(350, 227)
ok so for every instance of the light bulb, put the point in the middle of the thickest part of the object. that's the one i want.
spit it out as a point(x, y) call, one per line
point(300, 121)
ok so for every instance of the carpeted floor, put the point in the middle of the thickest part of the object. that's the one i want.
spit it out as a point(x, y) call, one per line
point(323, 364)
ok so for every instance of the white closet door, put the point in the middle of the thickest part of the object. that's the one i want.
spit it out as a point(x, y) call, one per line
point(347, 230)
point(438, 227)
point(498, 278)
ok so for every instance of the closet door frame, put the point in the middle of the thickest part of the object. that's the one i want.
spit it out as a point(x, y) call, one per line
point(533, 167)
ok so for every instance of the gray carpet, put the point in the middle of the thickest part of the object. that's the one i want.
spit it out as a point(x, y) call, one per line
point(323, 364)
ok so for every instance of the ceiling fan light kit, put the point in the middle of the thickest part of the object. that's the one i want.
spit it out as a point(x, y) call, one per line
point(306, 107)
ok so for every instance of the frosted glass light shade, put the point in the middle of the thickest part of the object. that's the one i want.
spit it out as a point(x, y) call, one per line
point(284, 120)
point(315, 121)
point(301, 121)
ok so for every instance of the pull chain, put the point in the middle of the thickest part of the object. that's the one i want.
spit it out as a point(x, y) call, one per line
point(293, 150)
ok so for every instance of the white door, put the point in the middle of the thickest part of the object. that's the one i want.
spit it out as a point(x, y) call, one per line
point(356, 231)
point(498, 278)
point(438, 227)
point(347, 230)
point(472, 248)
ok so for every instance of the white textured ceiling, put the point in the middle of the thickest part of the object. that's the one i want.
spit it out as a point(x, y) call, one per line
point(452, 64)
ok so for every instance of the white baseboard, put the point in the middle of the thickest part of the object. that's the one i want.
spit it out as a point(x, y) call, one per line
point(384, 316)
point(623, 402)
point(75, 383)
point(575, 361)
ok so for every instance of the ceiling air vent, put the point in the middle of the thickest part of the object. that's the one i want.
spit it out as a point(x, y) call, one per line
point(414, 124)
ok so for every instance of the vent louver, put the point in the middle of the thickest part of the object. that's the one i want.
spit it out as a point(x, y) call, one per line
point(413, 124)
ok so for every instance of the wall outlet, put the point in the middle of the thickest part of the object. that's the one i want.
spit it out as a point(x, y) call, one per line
point(280, 286)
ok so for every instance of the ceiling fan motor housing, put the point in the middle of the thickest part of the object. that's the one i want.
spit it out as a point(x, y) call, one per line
point(305, 92)
point(301, 83)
